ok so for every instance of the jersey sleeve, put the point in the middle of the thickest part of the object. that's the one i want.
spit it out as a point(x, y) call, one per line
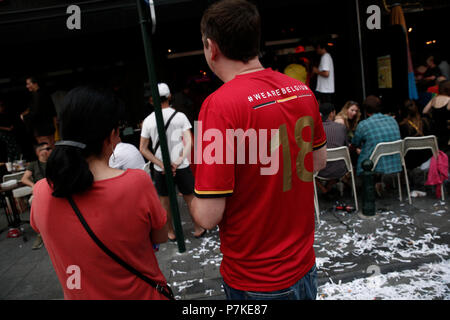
point(320, 138)
point(214, 176)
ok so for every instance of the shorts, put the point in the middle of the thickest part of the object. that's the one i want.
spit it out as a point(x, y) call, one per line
point(184, 180)
point(324, 97)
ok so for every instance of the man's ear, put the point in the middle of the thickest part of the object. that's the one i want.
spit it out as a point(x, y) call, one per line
point(213, 47)
point(114, 137)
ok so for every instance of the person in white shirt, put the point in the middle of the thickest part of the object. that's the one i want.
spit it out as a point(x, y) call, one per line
point(126, 156)
point(179, 142)
point(325, 75)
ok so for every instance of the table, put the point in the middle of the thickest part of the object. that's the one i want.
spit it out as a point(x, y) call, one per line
point(14, 220)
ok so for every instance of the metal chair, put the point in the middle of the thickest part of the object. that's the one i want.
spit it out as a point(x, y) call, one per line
point(336, 154)
point(391, 148)
point(421, 143)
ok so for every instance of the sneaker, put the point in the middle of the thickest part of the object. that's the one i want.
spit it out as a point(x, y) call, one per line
point(13, 233)
point(38, 243)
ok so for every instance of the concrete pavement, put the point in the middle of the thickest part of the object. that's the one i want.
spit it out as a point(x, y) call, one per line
point(347, 247)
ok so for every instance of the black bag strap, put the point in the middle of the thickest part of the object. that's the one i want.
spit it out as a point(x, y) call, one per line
point(160, 288)
point(165, 129)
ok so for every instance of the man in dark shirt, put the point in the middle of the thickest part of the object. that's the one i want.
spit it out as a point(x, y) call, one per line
point(35, 172)
point(336, 137)
point(7, 135)
point(40, 117)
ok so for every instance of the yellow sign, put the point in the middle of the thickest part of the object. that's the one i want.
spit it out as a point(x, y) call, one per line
point(384, 72)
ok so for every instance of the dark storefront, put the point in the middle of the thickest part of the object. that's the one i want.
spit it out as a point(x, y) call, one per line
point(108, 47)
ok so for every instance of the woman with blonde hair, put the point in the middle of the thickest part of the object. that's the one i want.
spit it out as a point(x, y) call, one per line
point(349, 116)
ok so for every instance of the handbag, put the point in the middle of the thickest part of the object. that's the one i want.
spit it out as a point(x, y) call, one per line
point(165, 290)
point(153, 150)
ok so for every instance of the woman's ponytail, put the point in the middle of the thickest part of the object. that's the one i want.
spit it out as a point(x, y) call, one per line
point(87, 118)
point(68, 172)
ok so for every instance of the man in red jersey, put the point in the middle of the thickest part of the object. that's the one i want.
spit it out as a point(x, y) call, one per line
point(265, 215)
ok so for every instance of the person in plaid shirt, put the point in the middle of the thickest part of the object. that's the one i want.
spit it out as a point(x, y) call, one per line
point(375, 129)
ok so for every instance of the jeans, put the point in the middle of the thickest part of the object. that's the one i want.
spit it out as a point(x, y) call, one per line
point(304, 289)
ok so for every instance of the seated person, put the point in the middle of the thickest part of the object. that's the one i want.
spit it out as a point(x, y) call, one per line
point(413, 125)
point(336, 137)
point(375, 129)
point(349, 117)
point(126, 156)
point(35, 172)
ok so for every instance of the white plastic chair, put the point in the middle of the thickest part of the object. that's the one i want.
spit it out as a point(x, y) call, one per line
point(13, 176)
point(336, 154)
point(391, 148)
point(421, 143)
point(19, 192)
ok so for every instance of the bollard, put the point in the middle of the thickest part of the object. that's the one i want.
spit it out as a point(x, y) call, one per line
point(368, 208)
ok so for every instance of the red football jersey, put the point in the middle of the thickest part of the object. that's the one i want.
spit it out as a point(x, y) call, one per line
point(255, 137)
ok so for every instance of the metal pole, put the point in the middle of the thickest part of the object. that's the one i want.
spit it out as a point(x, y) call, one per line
point(363, 81)
point(160, 124)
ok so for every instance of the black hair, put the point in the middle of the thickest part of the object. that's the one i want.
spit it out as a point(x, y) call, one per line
point(372, 105)
point(235, 25)
point(88, 116)
point(163, 99)
point(444, 87)
point(38, 145)
point(32, 78)
point(322, 43)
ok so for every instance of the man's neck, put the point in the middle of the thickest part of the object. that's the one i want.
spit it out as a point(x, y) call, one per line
point(227, 69)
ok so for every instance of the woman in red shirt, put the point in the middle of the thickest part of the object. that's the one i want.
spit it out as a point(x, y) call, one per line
point(121, 207)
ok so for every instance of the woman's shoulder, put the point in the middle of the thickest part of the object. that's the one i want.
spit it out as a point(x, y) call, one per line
point(42, 184)
point(138, 176)
point(41, 189)
point(440, 101)
point(339, 119)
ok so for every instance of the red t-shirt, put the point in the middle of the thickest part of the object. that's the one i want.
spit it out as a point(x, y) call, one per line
point(121, 211)
point(267, 231)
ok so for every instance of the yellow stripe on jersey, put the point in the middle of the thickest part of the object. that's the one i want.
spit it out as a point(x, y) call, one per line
point(320, 145)
point(287, 99)
point(213, 192)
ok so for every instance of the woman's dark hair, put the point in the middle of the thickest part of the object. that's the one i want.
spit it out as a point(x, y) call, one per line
point(235, 25)
point(88, 116)
point(412, 117)
point(32, 78)
point(372, 105)
point(444, 88)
